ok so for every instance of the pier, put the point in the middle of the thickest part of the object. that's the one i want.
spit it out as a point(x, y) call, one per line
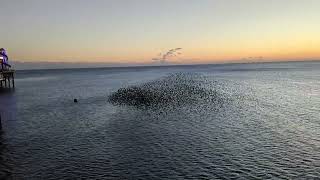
point(6, 76)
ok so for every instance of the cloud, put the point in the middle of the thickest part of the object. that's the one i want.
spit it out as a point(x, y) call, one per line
point(163, 57)
point(255, 58)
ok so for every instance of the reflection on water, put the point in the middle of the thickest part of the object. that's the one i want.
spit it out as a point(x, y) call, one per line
point(26, 79)
point(4, 161)
point(254, 121)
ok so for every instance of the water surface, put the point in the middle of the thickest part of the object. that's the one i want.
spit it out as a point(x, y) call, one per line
point(266, 124)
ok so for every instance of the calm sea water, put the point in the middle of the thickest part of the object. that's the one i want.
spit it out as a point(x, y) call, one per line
point(267, 126)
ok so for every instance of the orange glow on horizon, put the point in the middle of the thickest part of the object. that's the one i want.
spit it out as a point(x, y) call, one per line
point(208, 31)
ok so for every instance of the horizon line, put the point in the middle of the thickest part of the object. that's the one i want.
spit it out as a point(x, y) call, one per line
point(157, 65)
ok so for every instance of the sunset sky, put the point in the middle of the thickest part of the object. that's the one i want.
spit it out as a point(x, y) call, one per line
point(135, 31)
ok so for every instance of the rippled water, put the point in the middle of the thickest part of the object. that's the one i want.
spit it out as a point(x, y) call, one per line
point(264, 123)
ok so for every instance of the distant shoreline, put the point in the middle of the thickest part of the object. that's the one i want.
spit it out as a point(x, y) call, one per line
point(105, 66)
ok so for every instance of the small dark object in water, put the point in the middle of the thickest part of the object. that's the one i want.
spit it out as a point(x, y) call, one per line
point(75, 100)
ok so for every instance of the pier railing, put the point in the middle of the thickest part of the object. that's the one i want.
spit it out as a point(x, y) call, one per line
point(4, 66)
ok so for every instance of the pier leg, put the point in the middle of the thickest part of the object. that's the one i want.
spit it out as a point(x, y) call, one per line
point(12, 80)
point(9, 83)
point(5, 82)
point(0, 123)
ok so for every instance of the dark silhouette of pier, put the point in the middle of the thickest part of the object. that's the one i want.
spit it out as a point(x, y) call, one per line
point(6, 76)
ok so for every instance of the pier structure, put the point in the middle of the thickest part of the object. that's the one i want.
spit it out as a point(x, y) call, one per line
point(6, 75)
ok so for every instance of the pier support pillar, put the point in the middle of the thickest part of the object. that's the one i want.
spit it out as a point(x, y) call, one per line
point(12, 80)
point(9, 83)
point(0, 123)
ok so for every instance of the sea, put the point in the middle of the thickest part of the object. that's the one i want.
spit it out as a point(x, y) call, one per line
point(262, 122)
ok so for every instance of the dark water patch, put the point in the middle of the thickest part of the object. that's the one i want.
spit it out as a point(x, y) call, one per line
point(173, 90)
point(6, 90)
point(5, 169)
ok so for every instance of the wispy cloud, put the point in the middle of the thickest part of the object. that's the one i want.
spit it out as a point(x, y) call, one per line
point(253, 58)
point(163, 57)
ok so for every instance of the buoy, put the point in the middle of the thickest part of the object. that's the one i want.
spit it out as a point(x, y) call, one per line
point(75, 100)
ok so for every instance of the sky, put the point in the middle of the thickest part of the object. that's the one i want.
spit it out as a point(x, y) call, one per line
point(136, 31)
